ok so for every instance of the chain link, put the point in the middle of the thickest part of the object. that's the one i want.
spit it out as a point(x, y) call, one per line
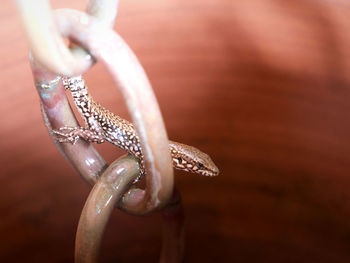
point(114, 53)
point(46, 43)
point(52, 59)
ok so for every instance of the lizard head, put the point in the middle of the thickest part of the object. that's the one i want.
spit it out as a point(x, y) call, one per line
point(74, 84)
point(190, 159)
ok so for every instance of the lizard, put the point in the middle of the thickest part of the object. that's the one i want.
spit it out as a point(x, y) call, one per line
point(102, 125)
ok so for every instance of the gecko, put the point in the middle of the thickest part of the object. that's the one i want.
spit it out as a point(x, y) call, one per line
point(102, 125)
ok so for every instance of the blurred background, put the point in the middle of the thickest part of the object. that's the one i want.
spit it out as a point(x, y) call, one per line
point(261, 85)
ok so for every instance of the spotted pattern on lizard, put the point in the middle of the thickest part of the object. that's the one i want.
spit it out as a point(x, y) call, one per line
point(102, 125)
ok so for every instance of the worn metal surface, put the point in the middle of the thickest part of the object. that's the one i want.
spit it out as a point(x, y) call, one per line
point(110, 49)
point(46, 43)
point(105, 194)
point(58, 113)
point(132, 82)
point(103, 197)
point(109, 188)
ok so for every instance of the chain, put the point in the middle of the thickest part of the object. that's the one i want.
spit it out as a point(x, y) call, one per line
point(50, 59)
point(45, 41)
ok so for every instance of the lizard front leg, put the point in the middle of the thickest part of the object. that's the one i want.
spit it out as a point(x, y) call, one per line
point(92, 132)
point(72, 134)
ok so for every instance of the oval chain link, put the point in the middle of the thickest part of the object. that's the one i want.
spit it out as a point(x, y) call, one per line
point(51, 59)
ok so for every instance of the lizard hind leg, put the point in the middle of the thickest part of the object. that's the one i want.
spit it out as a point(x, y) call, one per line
point(72, 134)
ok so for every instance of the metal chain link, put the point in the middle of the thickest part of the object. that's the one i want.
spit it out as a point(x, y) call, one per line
point(45, 41)
point(51, 59)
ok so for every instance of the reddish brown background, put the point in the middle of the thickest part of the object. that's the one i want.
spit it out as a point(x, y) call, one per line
point(261, 85)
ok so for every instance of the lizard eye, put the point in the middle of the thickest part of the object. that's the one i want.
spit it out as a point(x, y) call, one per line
point(179, 159)
point(200, 166)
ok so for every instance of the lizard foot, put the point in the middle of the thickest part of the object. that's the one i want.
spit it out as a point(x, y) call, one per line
point(68, 136)
point(72, 134)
